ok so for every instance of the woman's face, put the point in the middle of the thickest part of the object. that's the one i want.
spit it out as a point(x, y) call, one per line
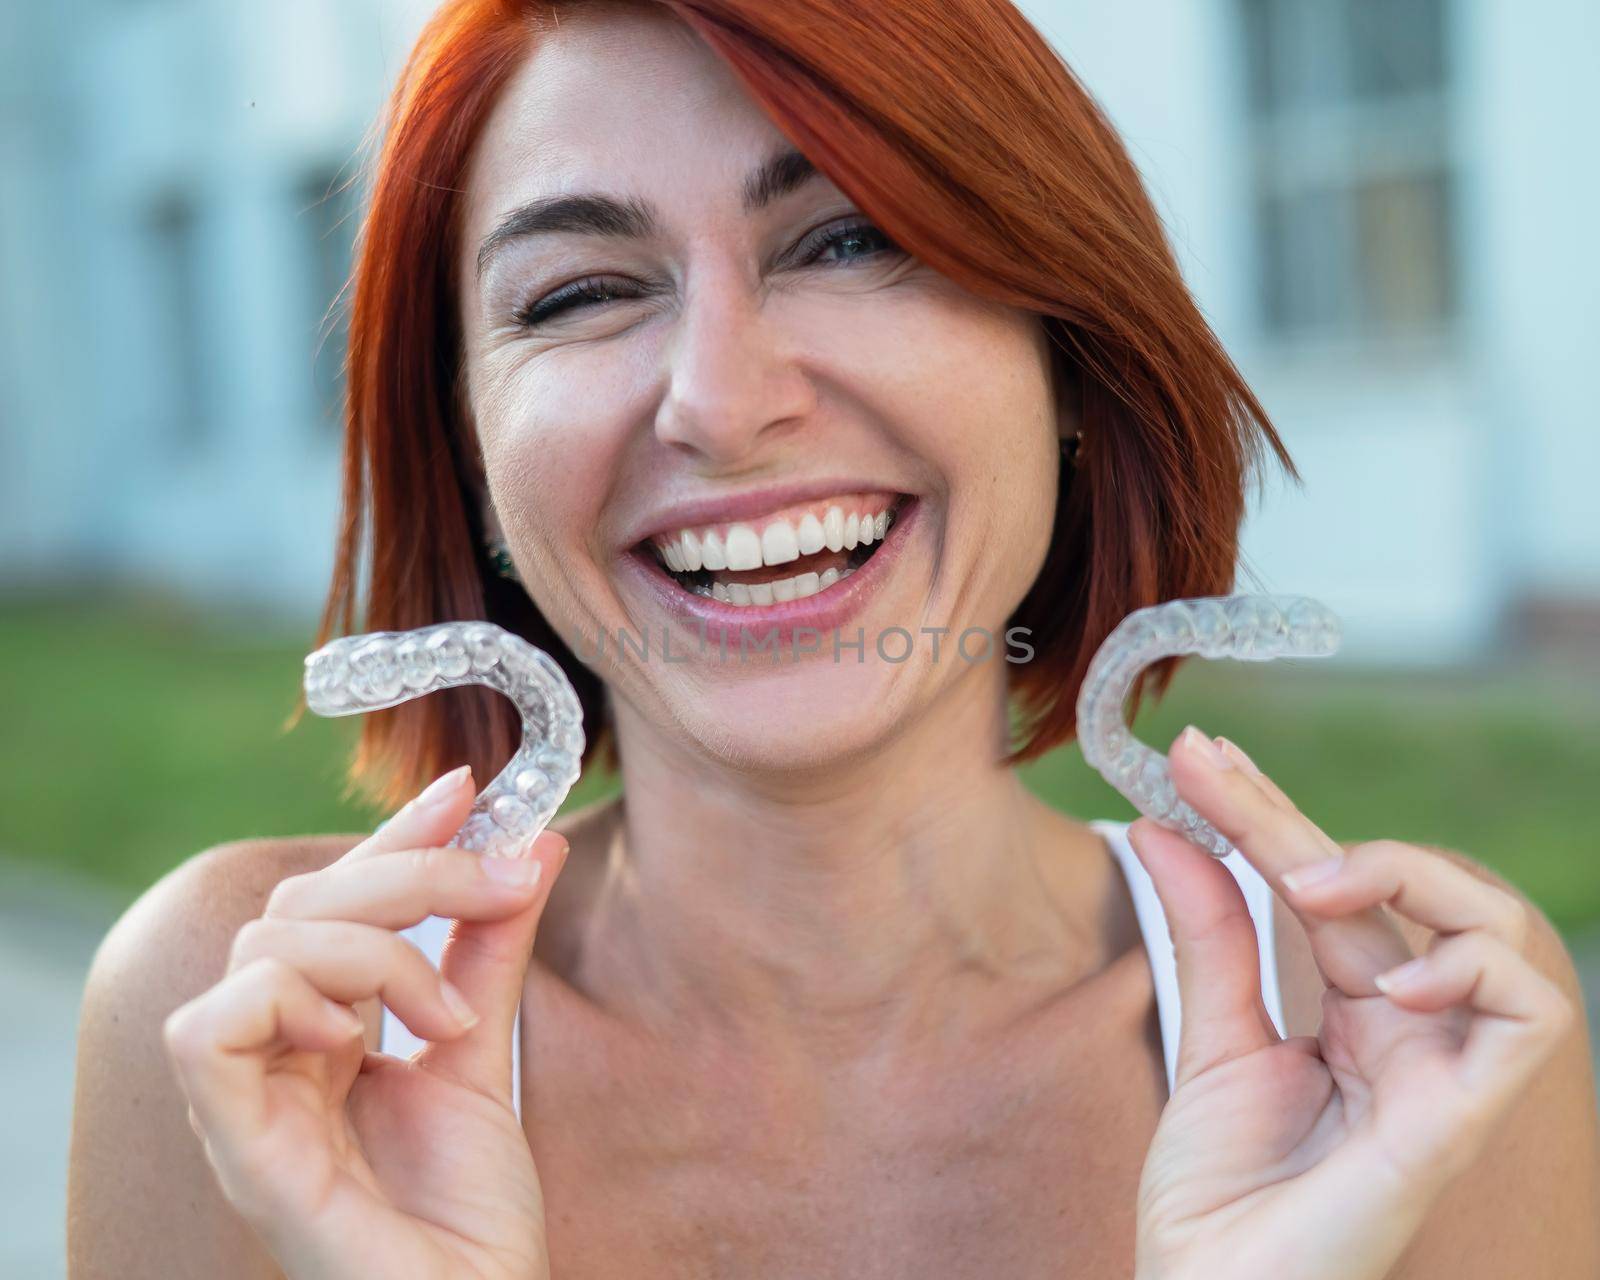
point(751, 361)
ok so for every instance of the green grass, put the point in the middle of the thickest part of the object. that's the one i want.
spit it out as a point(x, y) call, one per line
point(138, 733)
point(1500, 763)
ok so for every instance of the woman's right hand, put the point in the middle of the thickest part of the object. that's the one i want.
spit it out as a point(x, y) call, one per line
point(350, 1163)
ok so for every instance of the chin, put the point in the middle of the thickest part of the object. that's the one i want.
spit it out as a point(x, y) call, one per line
point(780, 717)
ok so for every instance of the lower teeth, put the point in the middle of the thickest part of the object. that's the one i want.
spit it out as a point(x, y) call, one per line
point(762, 593)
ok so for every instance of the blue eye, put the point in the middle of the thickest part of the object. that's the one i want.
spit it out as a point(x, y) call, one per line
point(855, 232)
point(580, 293)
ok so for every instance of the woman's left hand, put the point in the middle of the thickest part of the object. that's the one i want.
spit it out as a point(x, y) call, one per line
point(1318, 1157)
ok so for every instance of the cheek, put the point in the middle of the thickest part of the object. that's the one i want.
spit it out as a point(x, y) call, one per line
point(988, 426)
point(550, 452)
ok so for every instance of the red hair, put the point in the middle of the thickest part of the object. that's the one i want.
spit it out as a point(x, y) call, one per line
point(961, 133)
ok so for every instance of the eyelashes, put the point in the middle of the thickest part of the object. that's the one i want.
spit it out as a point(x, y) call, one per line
point(569, 297)
point(594, 290)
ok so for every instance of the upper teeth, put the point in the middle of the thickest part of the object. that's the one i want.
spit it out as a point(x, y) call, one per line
point(780, 540)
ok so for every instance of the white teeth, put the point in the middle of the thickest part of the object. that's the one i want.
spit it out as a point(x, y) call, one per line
point(779, 592)
point(712, 555)
point(782, 541)
point(811, 535)
point(779, 543)
point(833, 529)
point(744, 548)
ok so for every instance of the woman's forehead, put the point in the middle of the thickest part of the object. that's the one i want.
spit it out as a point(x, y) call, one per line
point(629, 108)
point(616, 89)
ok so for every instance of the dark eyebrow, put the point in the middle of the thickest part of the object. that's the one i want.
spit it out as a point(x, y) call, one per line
point(599, 215)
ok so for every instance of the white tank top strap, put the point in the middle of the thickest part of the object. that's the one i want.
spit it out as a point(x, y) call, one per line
point(429, 937)
point(1158, 941)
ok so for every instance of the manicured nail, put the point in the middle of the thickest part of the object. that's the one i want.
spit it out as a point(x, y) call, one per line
point(1313, 873)
point(457, 1004)
point(1207, 749)
point(1401, 975)
point(1237, 755)
point(442, 787)
point(521, 872)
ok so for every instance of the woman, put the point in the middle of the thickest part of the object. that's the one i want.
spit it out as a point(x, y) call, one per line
point(827, 992)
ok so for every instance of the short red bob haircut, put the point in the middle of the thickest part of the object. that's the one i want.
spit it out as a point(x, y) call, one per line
point(960, 132)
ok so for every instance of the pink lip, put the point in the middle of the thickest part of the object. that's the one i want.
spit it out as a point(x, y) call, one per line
point(746, 506)
point(823, 612)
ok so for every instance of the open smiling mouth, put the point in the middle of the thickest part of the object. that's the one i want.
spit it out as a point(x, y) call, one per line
point(786, 556)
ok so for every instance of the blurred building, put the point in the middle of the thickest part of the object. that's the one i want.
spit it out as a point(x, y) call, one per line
point(1382, 205)
point(178, 181)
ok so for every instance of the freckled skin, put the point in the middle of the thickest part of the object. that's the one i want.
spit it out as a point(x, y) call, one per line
point(796, 977)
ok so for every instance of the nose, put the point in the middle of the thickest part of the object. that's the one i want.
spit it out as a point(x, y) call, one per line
point(733, 382)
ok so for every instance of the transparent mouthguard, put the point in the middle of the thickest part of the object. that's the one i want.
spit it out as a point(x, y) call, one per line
point(1254, 628)
point(385, 668)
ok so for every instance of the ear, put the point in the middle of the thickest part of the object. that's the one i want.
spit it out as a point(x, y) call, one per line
point(470, 457)
point(491, 519)
point(1066, 391)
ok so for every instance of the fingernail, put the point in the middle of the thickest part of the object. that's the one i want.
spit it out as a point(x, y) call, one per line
point(520, 872)
point(1313, 873)
point(442, 787)
point(463, 1012)
point(1206, 748)
point(1237, 755)
point(1401, 975)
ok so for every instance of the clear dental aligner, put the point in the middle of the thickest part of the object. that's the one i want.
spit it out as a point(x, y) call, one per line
point(385, 668)
point(1254, 628)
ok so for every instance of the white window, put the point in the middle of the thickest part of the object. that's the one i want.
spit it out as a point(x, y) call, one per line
point(176, 309)
point(1354, 174)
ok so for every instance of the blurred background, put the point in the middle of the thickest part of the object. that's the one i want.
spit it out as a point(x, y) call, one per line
point(1381, 204)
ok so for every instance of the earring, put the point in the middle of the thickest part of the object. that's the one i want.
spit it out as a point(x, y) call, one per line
point(1071, 447)
point(500, 557)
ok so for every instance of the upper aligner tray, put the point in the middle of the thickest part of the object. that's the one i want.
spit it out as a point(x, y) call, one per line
point(381, 669)
point(1255, 628)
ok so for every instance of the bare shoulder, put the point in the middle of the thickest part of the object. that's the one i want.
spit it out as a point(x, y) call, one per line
point(1530, 1205)
point(129, 1118)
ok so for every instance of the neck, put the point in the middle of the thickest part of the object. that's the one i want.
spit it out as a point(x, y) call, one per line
point(835, 909)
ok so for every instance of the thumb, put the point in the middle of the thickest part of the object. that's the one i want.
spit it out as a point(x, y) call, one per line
point(427, 820)
point(1216, 948)
point(486, 961)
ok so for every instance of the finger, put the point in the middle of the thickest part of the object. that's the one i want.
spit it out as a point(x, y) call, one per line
point(1522, 1014)
point(394, 890)
point(1274, 792)
point(349, 962)
point(1216, 948)
point(1349, 950)
point(1424, 886)
point(431, 817)
point(221, 1042)
point(488, 962)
